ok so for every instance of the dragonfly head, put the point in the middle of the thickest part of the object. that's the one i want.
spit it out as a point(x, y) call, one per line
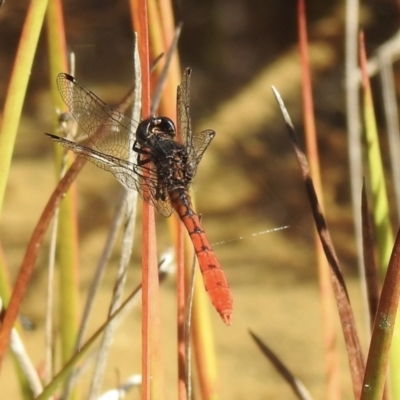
point(155, 126)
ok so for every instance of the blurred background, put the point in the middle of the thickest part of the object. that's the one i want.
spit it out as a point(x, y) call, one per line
point(248, 181)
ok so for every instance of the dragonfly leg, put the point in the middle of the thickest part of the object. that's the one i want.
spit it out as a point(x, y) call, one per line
point(139, 150)
point(142, 152)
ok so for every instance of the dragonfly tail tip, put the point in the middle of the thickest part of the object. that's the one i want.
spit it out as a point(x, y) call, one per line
point(227, 318)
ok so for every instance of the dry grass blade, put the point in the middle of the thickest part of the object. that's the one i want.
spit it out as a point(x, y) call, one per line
point(120, 280)
point(297, 386)
point(343, 303)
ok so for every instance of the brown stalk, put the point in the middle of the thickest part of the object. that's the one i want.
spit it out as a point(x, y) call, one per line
point(152, 385)
point(352, 341)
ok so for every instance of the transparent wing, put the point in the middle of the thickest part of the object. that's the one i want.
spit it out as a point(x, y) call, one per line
point(110, 131)
point(128, 173)
point(195, 143)
point(112, 136)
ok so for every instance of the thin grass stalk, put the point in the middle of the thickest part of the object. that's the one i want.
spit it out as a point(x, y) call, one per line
point(68, 268)
point(49, 322)
point(381, 213)
point(392, 120)
point(350, 334)
point(9, 124)
point(353, 114)
point(152, 357)
point(326, 291)
point(67, 246)
point(101, 266)
point(107, 339)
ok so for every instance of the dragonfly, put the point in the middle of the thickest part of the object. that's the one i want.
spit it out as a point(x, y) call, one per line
point(162, 169)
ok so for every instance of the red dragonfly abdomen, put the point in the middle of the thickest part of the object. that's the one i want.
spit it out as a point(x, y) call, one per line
point(214, 277)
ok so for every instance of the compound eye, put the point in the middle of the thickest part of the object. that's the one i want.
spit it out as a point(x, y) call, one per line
point(166, 126)
point(143, 131)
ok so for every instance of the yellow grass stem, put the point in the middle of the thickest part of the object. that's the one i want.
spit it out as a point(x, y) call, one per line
point(12, 113)
point(67, 245)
